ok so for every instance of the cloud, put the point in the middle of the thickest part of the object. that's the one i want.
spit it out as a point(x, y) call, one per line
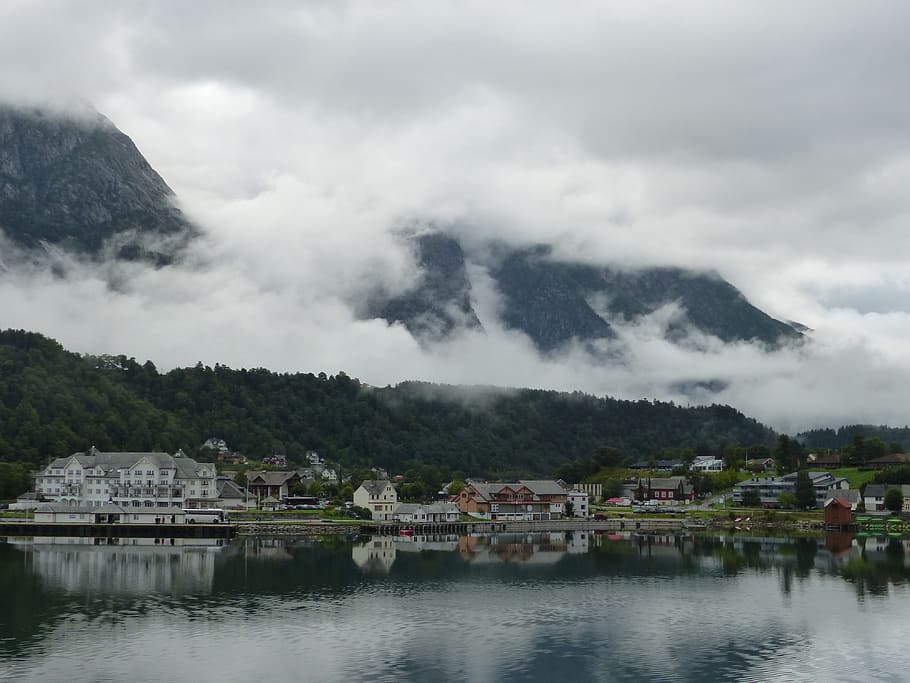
point(766, 142)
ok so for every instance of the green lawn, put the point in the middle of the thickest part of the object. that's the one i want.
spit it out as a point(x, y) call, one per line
point(857, 477)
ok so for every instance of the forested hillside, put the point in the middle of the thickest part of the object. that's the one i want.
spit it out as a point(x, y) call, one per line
point(837, 439)
point(54, 402)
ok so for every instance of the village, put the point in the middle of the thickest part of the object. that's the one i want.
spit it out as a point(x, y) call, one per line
point(160, 488)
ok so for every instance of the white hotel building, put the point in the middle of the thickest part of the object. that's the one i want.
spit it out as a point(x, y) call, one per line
point(130, 480)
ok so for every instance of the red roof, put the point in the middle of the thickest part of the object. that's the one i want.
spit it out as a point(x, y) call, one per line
point(841, 502)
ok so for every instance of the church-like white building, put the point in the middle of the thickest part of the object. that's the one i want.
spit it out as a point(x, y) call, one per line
point(130, 480)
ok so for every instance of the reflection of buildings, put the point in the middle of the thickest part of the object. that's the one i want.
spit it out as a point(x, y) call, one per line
point(379, 553)
point(123, 565)
point(376, 555)
point(439, 542)
point(266, 548)
point(534, 548)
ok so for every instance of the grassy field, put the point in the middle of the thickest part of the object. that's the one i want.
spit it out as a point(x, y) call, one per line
point(857, 477)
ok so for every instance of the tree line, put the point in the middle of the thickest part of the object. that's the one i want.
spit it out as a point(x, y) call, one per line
point(54, 402)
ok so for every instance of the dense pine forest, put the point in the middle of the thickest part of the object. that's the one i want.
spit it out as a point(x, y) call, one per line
point(836, 439)
point(54, 402)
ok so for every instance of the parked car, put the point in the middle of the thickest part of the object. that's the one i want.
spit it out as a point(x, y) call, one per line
point(600, 515)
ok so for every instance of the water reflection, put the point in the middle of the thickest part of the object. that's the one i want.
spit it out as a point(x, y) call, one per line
point(378, 553)
point(497, 607)
point(136, 566)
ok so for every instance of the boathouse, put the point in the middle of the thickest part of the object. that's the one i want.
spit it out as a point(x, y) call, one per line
point(838, 513)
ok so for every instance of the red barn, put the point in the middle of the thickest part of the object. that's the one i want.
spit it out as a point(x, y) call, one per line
point(838, 513)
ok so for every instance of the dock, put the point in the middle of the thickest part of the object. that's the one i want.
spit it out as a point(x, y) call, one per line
point(118, 530)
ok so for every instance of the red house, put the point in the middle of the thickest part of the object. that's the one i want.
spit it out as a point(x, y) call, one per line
point(838, 512)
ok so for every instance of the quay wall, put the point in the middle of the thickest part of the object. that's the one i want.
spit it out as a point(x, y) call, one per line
point(117, 530)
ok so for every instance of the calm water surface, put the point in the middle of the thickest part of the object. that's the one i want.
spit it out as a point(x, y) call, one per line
point(545, 607)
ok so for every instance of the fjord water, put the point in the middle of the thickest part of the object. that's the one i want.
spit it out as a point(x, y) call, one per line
point(539, 607)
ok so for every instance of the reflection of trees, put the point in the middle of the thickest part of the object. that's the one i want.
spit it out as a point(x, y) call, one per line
point(879, 563)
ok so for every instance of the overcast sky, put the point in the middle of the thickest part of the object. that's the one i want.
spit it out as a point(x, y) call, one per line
point(767, 141)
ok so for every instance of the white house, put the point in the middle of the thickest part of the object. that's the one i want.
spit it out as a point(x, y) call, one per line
point(417, 513)
point(131, 480)
point(579, 500)
point(379, 497)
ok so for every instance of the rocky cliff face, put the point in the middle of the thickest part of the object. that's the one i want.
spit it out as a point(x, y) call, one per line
point(556, 302)
point(441, 302)
point(78, 182)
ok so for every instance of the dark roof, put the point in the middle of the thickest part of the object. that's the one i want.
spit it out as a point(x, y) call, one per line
point(838, 501)
point(375, 486)
point(269, 478)
point(893, 459)
point(875, 490)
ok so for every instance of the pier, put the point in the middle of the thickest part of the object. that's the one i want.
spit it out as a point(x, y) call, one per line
point(118, 530)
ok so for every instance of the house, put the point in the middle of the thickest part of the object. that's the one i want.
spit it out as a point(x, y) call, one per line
point(263, 483)
point(421, 514)
point(838, 512)
point(519, 500)
point(760, 464)
point(664, 490)
point(707, 463)
point(825, 485)
point(832, 460)
point(276, 460)
point(579, 501)
point(852, 496)
point(874, 497)
point(379, 497)
point(216, 445)
point(893, 460)
point(231, 495)
point(131, 480)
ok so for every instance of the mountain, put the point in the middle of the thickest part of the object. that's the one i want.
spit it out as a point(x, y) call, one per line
point(555, 302)
point(54, 402)
point(441, 301)
point(76, 181)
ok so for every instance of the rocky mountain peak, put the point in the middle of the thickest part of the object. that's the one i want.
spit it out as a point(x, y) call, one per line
point(75, 180)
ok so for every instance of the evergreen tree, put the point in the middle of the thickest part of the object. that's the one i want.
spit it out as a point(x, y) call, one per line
point(894, 500)
point(805, 493)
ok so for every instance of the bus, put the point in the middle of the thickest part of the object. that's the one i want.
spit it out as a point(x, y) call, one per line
point(205, 516)
point(301, 502)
